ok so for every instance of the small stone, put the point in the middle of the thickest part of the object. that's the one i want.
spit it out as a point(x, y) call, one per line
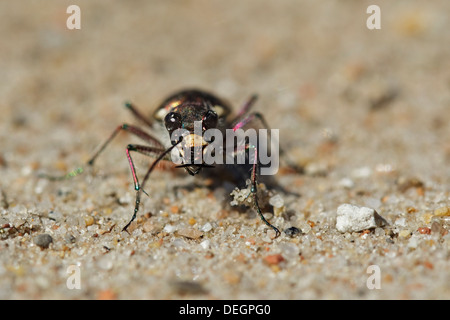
point(276, 201)
point(274, 259)
point(240, 196)
point(426, 217)
point(305, 227)
point(413, 242)
point(43, 240)
point(277, 212)
point(150, 227)
point(424, 230)
point(105, 262)
point(352, 218)
point(169, 228)
point(190, 233)
point(69, 238)
point(271, 234)
point(411, 210)
point(442, 211)
point(292, 232)
point(436, 228)
point(206, 227)
point(361, 173)
point(205, 244)
point(89, 221)
point(400, 222)
point(346, 183)
point(404, 233)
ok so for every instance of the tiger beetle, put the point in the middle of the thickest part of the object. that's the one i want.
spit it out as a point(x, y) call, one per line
point(181, 111)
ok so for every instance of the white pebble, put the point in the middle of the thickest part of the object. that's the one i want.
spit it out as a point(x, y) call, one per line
point(205, 244)
point(105, 262)
point(169, 228)
point(413, 242)
point(276, 201)
point(304, 227)
point(363, 172)
point(346, 183)
point(352, 218)
point(400, 222)
point(206, 227)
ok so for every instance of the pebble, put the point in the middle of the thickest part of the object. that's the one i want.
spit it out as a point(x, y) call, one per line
point(43, 240)
point(278, 205)
point(436, 228)
point(89, 221)
point(292, 232)
point(400, 222)
point(169, 228)
point(272, 234)
point(352, 218)
point(413, 242)
point(274, 259)
point(105, 262)
point(190, 233)
point(442, 211)
point(151, 227)
point(148, 226)
point(346, 183)
point(405, 233)
point(305, 227)
point(424, 230)
point(205, 244)
point(276, 201)
point(69, 238)
point(361, 173)
point(206, 227)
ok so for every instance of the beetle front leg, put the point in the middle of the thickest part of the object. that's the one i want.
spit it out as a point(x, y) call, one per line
point(142, 149)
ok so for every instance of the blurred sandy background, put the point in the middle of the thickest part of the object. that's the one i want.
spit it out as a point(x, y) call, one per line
point(365, 111)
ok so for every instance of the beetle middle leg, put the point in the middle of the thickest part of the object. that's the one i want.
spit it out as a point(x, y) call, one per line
point(133, 130)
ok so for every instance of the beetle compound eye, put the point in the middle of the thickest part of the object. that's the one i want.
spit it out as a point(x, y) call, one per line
point(209, 120)
point(172, 121)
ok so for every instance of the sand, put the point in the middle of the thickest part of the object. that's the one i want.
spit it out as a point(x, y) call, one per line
point(364, 112)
